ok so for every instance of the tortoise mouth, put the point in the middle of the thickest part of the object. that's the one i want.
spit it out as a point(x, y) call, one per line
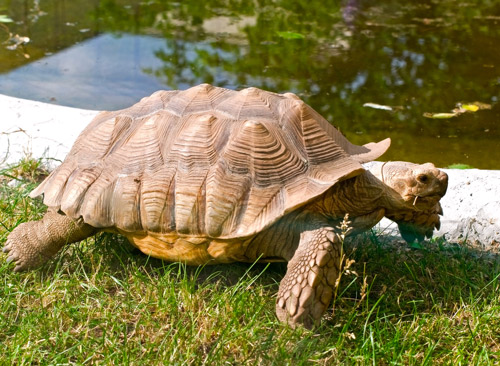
point(418, 224)
point(422, 202)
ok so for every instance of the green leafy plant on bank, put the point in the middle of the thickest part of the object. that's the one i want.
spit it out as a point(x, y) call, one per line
point(459, 166)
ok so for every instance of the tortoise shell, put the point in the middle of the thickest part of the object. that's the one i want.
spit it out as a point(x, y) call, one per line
point(206, 161)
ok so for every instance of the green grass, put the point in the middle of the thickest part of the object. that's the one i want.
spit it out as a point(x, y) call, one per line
point(100, 302)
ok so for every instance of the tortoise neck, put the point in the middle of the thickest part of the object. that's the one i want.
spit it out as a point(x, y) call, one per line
point(356, 196)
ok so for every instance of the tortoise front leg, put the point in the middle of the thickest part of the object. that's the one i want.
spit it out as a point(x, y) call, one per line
point(33, 243)
point(307, 288)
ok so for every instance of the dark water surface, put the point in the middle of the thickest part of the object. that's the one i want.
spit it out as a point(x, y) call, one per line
point(420, 56)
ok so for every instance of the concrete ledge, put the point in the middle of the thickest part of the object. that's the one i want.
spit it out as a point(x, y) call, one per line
point(38, 129)
point(471, 205)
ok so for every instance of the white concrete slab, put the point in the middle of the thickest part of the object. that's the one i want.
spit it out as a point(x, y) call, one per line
point(471, 205)
point(38, 129)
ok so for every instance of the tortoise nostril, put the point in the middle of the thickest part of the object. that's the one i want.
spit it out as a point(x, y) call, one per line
point(423, 178)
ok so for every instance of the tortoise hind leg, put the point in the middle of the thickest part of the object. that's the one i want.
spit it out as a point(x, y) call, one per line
point(33, 243)
point(307, 288)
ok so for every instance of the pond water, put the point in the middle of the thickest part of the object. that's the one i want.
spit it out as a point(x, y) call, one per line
point(419, 57)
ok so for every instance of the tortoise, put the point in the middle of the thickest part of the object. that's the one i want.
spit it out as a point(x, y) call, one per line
point(210, 175)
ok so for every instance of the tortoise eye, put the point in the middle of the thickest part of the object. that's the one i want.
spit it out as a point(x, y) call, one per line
point(423, 178)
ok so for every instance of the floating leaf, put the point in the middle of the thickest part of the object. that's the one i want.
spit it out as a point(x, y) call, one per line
point(5, 19)
point(461, 109)
point(470, 107)
point(17, 41)
point(290, 35)
point(481, 105)
point(440, 115)
point(378, 106)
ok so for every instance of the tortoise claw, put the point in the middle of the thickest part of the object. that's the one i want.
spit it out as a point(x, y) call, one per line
point(6, 248)
point(12, 255)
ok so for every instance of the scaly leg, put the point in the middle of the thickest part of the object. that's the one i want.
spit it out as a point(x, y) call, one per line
point(307, 288)
point(33, 243)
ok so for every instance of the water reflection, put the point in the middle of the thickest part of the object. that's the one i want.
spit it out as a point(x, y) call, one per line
point(424, 56)
point(99, 73)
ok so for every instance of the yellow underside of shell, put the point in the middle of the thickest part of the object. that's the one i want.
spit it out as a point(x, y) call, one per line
point(190, 250)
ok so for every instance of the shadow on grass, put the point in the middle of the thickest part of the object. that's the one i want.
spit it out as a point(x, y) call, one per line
point(437, 277)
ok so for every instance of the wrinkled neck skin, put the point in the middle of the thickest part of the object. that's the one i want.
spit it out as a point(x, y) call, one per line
point(359, 196)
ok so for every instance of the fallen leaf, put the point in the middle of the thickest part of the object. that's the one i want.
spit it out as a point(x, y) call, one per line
point(470, 107)
point(17, 41)
point(378, 106)
point(461, 109)
point(482, 105)
point(440, 115)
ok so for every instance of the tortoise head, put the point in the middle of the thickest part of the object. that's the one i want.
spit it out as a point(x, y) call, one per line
point(413, 194)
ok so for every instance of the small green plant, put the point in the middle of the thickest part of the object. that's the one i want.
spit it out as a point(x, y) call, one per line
point(459, 166)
